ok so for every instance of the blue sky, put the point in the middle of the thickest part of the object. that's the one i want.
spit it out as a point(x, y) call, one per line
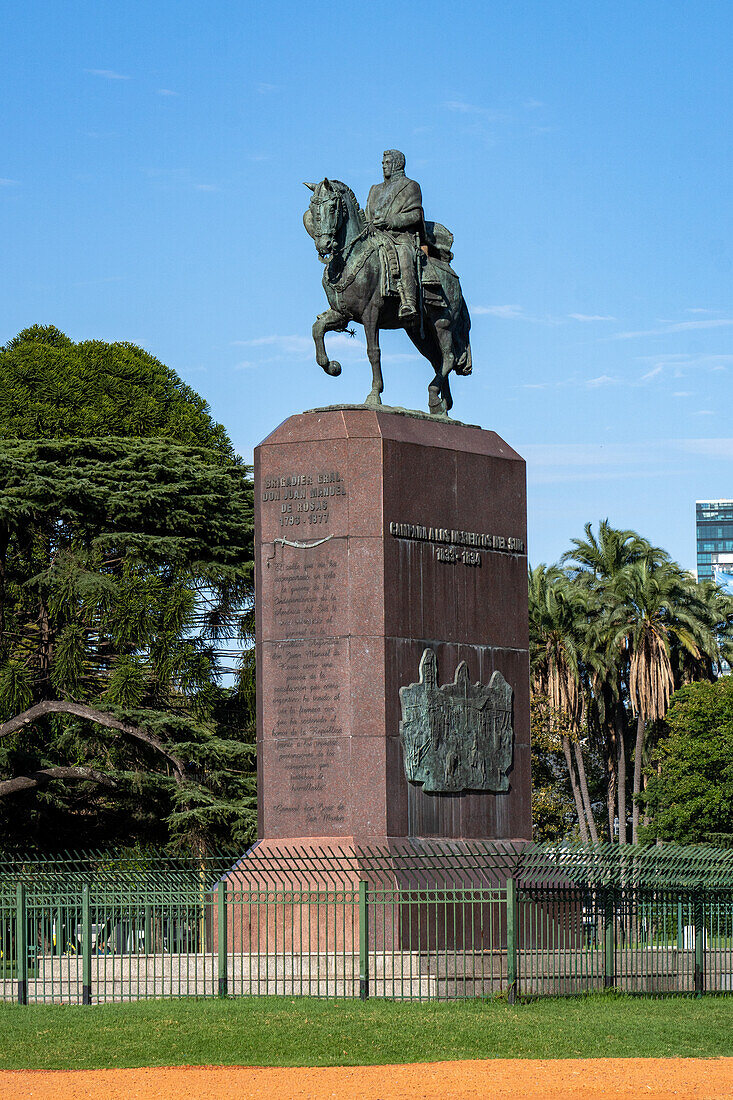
point(151, 166)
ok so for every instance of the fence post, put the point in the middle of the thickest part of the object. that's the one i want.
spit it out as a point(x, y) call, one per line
point(363, 942)
point(680, 936)
point(148, 930)
point(699, 944)
point(221, 938)
point(609, 942)
point(21, 943)
point(59, 947)
point(86, 946)
point(511, 940)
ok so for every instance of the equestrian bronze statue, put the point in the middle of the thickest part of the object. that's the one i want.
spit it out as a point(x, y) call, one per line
point(387, 267)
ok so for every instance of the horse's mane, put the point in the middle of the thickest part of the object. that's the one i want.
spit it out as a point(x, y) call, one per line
point(347, 190)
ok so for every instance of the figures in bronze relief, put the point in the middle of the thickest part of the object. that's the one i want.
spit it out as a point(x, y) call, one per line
point(387, 267)
point(456, 737)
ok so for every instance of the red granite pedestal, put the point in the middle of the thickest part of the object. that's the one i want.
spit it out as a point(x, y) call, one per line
point(379, 534)
point(353, 583)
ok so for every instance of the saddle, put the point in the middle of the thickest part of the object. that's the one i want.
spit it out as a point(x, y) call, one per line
point(433, 268)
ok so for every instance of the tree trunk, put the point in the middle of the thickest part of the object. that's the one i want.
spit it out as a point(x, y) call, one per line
point(582, 824)
point(62, 706)
point(612, 775)
point(34, 779)
point(4, 538)
point(638, 759)
point(584, 792)
point(621, 769)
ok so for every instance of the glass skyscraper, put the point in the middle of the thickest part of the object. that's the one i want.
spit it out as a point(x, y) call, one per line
point(714, 525)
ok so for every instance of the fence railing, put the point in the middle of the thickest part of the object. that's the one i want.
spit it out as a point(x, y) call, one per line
point(420, 923)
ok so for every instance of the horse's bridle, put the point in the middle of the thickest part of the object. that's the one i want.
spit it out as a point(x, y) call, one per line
point(317, 203)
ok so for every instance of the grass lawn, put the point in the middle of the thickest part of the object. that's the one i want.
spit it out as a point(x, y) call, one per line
point(281, 1031)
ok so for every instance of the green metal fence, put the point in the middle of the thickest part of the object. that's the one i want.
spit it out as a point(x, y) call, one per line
point(419, 921)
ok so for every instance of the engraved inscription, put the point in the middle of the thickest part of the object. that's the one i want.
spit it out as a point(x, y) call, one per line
point(458, 737)
point(304, 593)
point(452, 537)
point(306, 688)
point(454, 556)
point(303, 498)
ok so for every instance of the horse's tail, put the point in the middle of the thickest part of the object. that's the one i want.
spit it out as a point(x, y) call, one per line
point(462, 343)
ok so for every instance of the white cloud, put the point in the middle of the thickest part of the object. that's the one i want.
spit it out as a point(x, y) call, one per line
point(692, 310)
point(166, 91)
point(266, 89)
point(589, 317)
point(575, 462)
point(108, 74)
point(511, 313)
point(7, 182)
point(287, 345)
point(675, 326)
point(653, 373)
point(683, 393)
point(682, 362)
point(272, 348)
point(704, 412)
point(711, 448)
point(105, 279)
point(601, 380)
point(463, 108)
point(205, 187)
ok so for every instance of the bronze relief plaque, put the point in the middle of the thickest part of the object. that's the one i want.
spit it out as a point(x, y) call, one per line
point(456, 737)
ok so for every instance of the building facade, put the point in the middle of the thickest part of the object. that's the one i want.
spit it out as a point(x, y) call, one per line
point(714, 529)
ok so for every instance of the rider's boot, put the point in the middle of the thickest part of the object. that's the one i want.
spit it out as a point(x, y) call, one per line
point(408, 311)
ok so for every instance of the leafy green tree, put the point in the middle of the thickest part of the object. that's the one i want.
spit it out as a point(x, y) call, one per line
point(554, 806)
point(689, 796)
point(125, 565)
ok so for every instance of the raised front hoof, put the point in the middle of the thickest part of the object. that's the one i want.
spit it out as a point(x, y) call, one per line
point(332, 367)
point(372, 398)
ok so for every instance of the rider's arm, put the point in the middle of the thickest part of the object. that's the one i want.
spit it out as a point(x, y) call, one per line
point(411, 214)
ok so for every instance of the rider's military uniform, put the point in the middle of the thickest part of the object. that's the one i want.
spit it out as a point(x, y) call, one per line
point(398, 202)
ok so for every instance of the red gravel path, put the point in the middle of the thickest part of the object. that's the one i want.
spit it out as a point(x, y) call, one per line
point(500, 1079)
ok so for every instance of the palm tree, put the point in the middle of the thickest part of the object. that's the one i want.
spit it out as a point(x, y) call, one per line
point(612, 634)
point(556, 617)
point(655, 612)
point(596, 562)
point(714, 607)
point(604, 555)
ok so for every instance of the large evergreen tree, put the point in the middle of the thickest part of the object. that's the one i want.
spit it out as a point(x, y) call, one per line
point(125, 566)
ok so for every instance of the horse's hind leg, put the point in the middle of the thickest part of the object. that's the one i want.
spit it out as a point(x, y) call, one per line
point(428, 346)
point(370, 321)
point(444, 336)
point(330, 321)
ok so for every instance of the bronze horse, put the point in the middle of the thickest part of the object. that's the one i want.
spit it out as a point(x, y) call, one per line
point(354, 284)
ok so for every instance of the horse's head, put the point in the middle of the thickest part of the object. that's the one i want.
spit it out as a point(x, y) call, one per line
point(325, 217)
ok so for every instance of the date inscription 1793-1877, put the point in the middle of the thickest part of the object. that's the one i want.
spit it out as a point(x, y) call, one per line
point(456, 737)
point(387, 267)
